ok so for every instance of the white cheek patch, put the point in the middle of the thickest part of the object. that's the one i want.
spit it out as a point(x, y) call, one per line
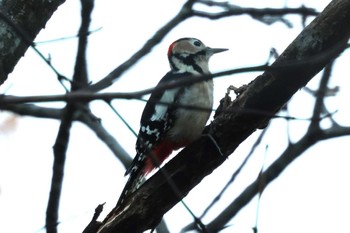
point(161, 109)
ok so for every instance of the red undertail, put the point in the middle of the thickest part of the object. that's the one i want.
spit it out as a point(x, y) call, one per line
point(161, 152)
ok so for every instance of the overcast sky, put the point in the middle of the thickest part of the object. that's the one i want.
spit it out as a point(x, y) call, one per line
point(310, 196)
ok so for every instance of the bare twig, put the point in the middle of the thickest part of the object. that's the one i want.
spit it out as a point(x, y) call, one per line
point(66, 37)
point(232, 10)
point(94, 224)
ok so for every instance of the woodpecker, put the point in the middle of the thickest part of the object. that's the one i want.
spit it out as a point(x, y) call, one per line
point(165, 126)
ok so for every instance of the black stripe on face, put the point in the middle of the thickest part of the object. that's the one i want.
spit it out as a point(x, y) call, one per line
point(189, 60)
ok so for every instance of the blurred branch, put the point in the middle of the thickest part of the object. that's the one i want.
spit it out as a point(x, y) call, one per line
point(80, 79)
point(80, 76)
point(59, 149)
point(37, 43)
point(321, 94)
point(268, 93)
point(33, 110)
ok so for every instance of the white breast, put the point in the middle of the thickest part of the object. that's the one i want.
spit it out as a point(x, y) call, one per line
point(190, 123)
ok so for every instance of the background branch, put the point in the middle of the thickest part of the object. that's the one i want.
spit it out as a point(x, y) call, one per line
point(80, 79)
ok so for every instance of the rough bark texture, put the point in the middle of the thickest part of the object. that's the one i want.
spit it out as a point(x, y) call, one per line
point(316, 46)
point(20, 22)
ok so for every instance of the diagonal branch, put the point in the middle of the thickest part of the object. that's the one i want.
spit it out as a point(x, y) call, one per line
point(107, 81)
point(268, 93)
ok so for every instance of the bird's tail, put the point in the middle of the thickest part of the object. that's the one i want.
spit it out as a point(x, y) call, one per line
point(134, 182)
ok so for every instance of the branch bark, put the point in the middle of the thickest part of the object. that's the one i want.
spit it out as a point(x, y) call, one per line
point(316, 46)
point(19, 25)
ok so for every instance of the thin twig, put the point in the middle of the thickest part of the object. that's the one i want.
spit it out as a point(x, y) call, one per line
point(38, 43)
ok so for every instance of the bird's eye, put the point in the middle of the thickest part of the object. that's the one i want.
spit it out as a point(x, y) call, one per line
point(197, 43)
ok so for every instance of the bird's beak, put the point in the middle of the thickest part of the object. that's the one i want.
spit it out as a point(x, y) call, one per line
point(215, 50)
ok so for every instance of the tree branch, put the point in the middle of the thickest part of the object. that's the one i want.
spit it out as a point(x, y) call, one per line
point(84, 96)
point(60, 149)
point(80, 79)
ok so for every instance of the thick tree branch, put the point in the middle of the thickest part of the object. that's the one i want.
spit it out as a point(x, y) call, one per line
point(16, 37)
point(327, 34)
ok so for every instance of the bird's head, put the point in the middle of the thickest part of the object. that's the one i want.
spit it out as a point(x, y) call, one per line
point(190, 55)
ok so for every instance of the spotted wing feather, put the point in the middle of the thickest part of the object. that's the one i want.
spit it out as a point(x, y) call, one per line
point(156, 120)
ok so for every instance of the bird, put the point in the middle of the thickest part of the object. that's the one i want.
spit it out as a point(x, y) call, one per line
point(165, 125)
